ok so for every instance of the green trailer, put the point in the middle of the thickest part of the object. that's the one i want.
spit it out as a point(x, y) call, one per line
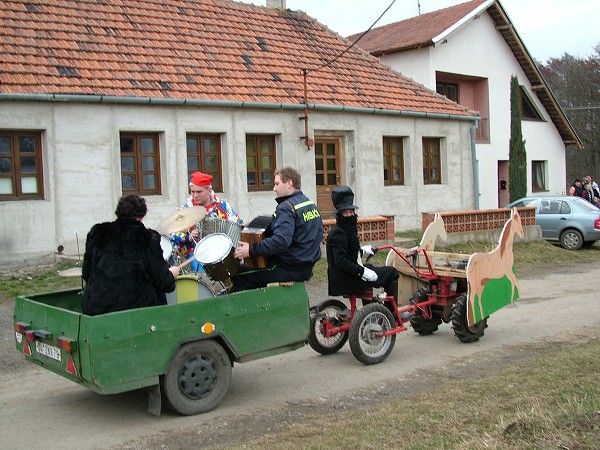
point(183, 353)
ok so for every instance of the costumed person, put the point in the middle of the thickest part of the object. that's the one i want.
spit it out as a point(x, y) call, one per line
point(292, 242)
point(123, 264)
point(346, 273)
point(202, 195)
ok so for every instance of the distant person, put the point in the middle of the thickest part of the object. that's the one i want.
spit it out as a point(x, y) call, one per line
point(588, 179)
point(292, 243)
point(123, 264)
point(576, 188)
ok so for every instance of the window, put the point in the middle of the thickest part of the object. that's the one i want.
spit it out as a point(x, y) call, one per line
point(140, 163)
point(431, 161)
point(538, 176)
point(449, 90)
point(260, 161)
point(528, 108)
point(204, 155)
point(21, 175)
point(393, 161)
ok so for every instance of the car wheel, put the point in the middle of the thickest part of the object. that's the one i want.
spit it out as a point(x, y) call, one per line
point(571, 240)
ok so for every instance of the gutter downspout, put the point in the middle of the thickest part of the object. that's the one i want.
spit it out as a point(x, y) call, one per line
point(475, 163)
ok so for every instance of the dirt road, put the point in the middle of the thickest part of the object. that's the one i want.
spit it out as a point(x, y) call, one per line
point(42, 410)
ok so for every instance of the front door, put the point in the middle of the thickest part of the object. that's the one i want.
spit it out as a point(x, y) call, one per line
point(328, 172)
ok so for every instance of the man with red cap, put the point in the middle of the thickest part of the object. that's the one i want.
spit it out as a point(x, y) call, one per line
point(202, 195)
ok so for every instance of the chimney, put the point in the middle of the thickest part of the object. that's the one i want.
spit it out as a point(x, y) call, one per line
point(276, 4)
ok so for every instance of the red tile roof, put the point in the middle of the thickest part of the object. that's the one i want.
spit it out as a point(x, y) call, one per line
point(193, 50)
point(415, 32)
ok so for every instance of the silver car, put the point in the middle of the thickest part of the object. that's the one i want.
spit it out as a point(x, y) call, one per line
point(572, 221)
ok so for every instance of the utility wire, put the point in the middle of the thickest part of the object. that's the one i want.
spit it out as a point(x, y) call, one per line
point(355, 42)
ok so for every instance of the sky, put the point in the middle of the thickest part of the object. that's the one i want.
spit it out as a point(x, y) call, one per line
point(549, 28)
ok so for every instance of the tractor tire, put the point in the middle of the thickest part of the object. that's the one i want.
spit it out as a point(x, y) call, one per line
point(419, 323)
point(316, 339)
point(197, 378)
point(460, 324)
point(366, 342)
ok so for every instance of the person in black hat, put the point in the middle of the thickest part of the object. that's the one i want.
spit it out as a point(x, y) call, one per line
point(346, 273)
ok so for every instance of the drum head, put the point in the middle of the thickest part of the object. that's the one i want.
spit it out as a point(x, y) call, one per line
point(166, 246)
point(213, 248)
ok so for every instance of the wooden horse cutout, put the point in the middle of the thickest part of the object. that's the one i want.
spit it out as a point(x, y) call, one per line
point(497, 264)
point(434, 230)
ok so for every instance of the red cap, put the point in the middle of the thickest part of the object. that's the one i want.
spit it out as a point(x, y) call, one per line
point(201, 179)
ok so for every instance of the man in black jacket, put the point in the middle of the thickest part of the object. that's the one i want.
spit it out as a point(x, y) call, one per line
point(292, 244)
point(346, 273)
point(123, 265)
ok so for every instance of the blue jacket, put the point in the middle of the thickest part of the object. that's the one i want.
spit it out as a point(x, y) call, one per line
point(294, 235)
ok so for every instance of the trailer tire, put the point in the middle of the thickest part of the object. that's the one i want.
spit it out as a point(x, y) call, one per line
point(368, 322)
point(420, 324)
point(197, 378)
point(316, 339)
point(460, 324)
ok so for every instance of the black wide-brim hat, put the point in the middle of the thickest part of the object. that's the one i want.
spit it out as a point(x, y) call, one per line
point(343, 198)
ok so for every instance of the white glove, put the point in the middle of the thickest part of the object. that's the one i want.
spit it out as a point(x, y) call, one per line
point(369, 275)
point(367, 250)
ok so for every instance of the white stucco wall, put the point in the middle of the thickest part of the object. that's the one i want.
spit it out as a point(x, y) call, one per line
point(81, 163)
point(477, 49)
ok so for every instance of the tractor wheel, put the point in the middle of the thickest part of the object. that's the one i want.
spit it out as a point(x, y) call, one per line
point(460, 324)
point(419, 323)
point(197, 378)
point(329, 310)
point(366, 342)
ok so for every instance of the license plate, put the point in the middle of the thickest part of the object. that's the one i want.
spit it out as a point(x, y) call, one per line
point(48, 350)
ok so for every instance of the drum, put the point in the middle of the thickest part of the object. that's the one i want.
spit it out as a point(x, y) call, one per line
point(208, 226)
point(189, 288)
point(167, 247)
point(215, 253)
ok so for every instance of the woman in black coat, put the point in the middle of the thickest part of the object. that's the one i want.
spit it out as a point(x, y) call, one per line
point(123, 265)
point(345, 272)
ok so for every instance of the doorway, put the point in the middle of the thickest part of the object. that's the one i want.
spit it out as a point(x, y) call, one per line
point(503, 187)
point(328, 172)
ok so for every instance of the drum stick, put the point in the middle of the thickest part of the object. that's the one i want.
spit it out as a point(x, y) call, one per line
point(186, 262)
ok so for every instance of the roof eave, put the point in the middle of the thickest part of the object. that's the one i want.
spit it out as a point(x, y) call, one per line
point(538, 83)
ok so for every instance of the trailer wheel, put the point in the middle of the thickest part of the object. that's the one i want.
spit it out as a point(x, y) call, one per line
point(366, 342)
point(460, 324)
point(419, 323)
point(319, 343)
point(197, 378)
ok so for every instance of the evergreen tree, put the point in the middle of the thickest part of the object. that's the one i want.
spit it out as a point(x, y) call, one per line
point(517, 156)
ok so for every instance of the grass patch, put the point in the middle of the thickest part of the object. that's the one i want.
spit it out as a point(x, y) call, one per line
point(38, 280)
point(548, 402)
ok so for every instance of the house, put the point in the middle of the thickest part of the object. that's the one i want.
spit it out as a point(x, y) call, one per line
point(104, 98)
point(468, 53)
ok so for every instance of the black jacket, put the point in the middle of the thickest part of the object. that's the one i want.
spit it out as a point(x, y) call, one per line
point(294, 234)
point(124, 268)
point(344, 273)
